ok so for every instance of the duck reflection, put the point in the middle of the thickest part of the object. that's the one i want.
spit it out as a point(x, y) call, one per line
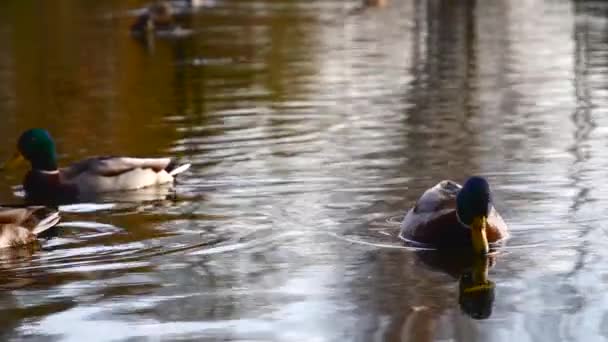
point(475, 290)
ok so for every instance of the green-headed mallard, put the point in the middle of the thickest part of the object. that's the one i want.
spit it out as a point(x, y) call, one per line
point(45, 182)
point(451, 216)
point(20, 226)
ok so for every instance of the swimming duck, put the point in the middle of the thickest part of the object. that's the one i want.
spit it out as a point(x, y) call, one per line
point(45, 182)
point(158, 17)
point(20, 226)
point(450, 216)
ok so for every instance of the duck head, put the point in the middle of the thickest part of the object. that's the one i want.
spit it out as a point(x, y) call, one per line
point(36, 146)
point(473, 205)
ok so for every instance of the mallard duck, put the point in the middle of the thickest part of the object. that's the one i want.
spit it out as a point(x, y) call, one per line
point(20, 226)
point(158, 17)
point(45, 182)
point(449, 215)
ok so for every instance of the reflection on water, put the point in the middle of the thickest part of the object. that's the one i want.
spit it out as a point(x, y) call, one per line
point(312, 127)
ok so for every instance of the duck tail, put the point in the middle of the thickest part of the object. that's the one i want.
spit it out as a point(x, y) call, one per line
point(49, 221)
point(174, 169)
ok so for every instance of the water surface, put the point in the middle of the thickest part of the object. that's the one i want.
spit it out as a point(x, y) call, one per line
point(312, 126)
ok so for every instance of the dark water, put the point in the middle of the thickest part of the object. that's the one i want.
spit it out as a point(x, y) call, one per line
point(312, 126)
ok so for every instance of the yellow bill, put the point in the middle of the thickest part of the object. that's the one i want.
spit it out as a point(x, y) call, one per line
point(15, 160)
point(478, 235)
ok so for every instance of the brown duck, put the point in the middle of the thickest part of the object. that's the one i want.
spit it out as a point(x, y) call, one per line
point(21, 226)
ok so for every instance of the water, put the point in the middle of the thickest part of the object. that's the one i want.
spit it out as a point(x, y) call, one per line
point(312, 126)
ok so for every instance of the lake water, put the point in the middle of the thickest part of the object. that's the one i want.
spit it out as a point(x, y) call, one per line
point(312, 127)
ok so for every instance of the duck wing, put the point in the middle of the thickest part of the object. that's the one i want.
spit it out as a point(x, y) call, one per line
point(110, 166)
point(433, 213)
point(440, 197)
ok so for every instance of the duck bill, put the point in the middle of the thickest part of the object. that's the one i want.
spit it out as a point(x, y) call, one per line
point(478, 235)
point(15, 160)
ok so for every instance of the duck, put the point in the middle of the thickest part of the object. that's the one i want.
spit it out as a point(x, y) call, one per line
point(21, 225)
point(449, 216)
point(45, 182)
point(375, 3)
point(158, 17)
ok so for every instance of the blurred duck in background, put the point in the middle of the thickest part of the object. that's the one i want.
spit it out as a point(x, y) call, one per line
point(193, 3)
point(375, 3)
point(158, 17)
